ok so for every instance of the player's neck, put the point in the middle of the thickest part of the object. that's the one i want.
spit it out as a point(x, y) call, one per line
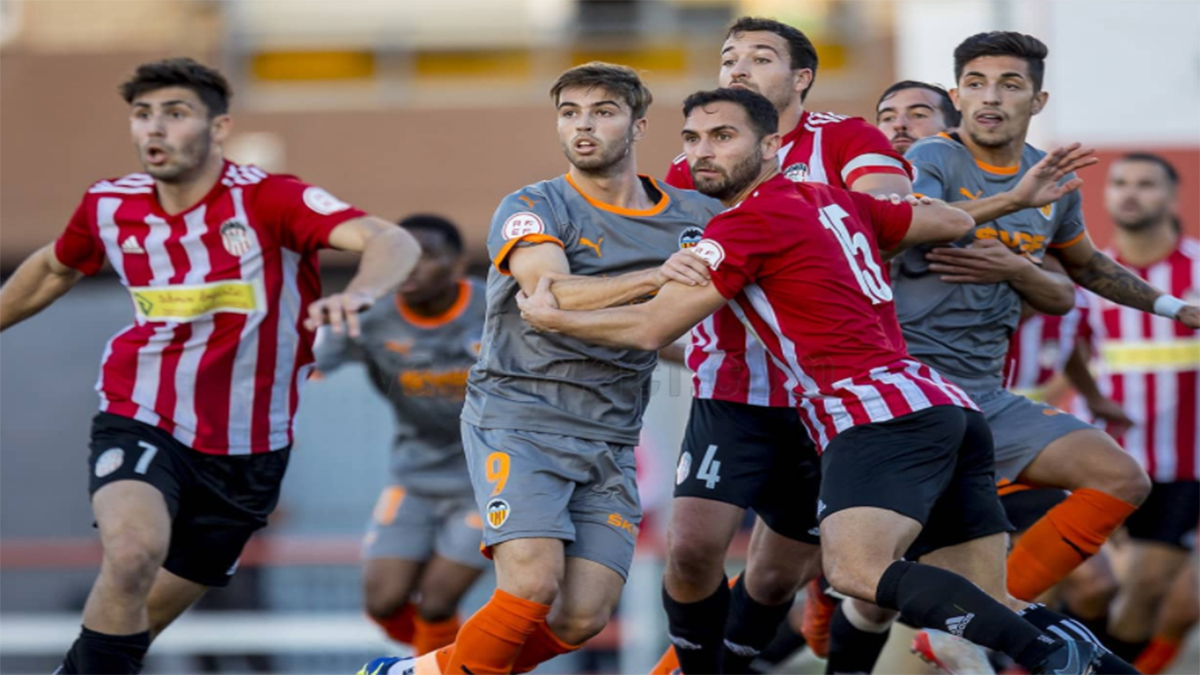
point(435, 306)
point(175, 198)
point(762, 178)
point(1142, 248)
point(789, 118)
point(622, 189)
point(1004, 156)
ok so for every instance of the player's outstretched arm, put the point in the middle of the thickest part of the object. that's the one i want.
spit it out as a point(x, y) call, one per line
point(1105, 277)
point(1038, 187)
point(933, 221)
point(531, 264)
point(36, 284)
point(648, 326)
point(389, 254)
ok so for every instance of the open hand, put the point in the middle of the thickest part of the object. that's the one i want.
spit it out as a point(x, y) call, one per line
point(1039, 186)
point(339, 311)
point(986, 261)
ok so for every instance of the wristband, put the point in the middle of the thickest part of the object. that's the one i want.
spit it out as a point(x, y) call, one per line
point(1168, 306)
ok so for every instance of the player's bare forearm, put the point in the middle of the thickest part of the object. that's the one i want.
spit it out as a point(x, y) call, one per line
point(987, 209)
point(1079, 375)
point(1105, 277)
point(627, 327)
point(36, 284)
point(388, 257)
point(1047, 292)
point(583, 293)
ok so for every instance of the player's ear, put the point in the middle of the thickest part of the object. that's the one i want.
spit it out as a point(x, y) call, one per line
point(639, 128)
point(221, 128)
point(802, 80)
point(1039, 101)
point(771, 144)
point(954, 98)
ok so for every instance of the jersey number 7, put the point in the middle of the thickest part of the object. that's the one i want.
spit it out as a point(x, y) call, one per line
point(870, 277)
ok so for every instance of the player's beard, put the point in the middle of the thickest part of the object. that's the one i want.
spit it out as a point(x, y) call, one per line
point(1142, 222)
point(734, 180)
point(187, 160)
point(608, 162)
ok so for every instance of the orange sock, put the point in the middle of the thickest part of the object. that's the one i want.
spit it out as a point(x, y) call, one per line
point(1067, 535)
point(491, 640)
point(400, 626)
point(541, 646)
point(429, 636)
point(1157, 655)
point(668, 664)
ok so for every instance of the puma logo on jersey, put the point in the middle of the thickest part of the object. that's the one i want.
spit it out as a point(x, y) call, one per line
point(131, 245)
point(595, 246)
point(967, 193)
point(525, 199)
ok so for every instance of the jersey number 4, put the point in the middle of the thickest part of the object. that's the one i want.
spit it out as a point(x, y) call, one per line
point(859, 254)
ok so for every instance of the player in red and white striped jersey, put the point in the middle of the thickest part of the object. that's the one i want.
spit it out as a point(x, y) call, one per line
point(741, 396)
point(1039, 349)
point(1150, 365)
point(198, 394)
point(907, 464)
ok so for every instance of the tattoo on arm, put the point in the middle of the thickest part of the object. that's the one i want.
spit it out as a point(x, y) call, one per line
point(1105, 277)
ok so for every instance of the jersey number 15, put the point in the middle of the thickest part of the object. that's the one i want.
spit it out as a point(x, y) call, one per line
point(870, 277)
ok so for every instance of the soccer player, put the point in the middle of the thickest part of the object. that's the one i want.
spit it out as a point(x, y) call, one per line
point(422, 545)
point(958, 305)
point(1150, 366)
point(910, 110)
point(550, 422)
point(906, 462)
point(197, 395)
point(738, 452)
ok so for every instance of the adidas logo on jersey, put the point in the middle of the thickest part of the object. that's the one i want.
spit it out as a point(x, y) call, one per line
point(958, 624)
point(131, 245)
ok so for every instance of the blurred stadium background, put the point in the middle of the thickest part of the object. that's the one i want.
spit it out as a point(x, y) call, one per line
point(402, 106)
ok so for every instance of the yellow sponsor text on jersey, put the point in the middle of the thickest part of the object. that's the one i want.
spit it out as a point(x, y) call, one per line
point(1142, 356)
point(188, 303)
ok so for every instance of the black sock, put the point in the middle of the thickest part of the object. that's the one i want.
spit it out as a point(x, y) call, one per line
point(785, 643)
point(1065, 628)
point(852, 650)
point(1098, 626)
point(697, 629)
point(750, 627)
point(99, 654)
point(930, 597)
point(1129, 651)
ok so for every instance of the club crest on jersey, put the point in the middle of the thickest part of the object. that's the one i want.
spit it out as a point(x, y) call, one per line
point(497, 513)
point(1047, 211)
point(797, 173)
point(710, 252)
point(690, 237)
point(236, 238)
point(109, 461)
point(522, 224)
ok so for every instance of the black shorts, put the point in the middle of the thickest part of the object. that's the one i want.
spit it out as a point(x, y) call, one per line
point(1026, 507)
point(935, 466)
point(216, 501)
point(753, 457)
point(1169, 515)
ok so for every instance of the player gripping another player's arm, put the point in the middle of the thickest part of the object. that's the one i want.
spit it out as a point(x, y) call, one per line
point(678, 307)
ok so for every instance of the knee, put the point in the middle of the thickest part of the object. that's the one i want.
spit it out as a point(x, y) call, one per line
point(695, 560)
point(436, 605)
point(1123, 478)
point(578, 626)
point(774, 584)
point(382, 598)
point(131, 562)
point(851, 577)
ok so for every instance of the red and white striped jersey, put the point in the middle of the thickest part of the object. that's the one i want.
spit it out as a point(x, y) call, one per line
point(217, 350)
point(800, 265)
point(727, 363)
point(1150, 365)
point(1040, 347)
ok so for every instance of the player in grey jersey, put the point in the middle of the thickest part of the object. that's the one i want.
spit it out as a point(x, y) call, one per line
point(550, 422)
point(422, 544)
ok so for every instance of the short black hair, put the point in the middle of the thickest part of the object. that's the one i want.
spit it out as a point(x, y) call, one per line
point(801, 50)
point(949, 113)
point(1167, 167)
point(1004, 43)
point(208, 84)
point(438, 224)
point(763, 116)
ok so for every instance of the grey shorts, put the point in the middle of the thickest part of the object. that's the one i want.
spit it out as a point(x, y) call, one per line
point(535, 484)
point(418, 527)
point(1021, 428)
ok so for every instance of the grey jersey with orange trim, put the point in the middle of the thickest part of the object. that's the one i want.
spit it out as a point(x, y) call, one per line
point(553, 383)
point(962, 330)
point(420, 365)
